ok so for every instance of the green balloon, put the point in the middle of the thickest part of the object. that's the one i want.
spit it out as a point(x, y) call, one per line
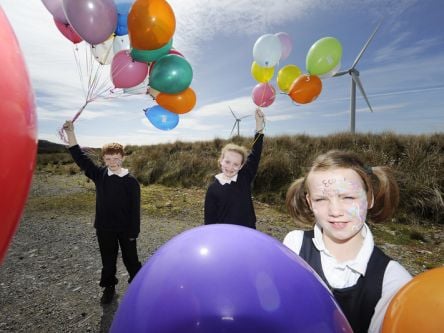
point(172, 74)
point(323, 56)
point(151, 55)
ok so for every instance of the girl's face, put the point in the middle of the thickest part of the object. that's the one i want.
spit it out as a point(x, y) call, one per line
point(231, 163)
point(339, 203)
point(113, 162)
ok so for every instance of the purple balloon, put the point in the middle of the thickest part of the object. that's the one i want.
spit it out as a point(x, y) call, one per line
point(286, 43)
point(93, 20)
point(55, 7)
point(227, 278)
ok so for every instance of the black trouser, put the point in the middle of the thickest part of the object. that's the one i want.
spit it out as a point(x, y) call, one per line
point(109, 242)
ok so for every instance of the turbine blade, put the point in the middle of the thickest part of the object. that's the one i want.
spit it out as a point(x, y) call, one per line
point(341, 73)
point(366, 45)
point(248, 115)
point(232, 112)
point(356, 79)
point(234, 126)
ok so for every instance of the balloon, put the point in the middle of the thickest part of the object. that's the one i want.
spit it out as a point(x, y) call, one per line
point(323, 56)
point(286, 77)
point(161, 118)
point(121, 43)
point(418, 306)
point(263, 94)
point(18, 136)
point(122, 8)
point(125, 72)
point(285, 43)
point(261, 74)
point(179, 103)
point(103, 52)
point(267, 50)
point(151, 24)
point(172, 74)
point(68, 32)
point(227, 278)
point(151, 55)
point(305, 89)
point(55, 7)
point(171, 51)
point(93, 20)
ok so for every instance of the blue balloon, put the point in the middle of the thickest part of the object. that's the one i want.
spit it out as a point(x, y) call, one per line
point(123, 7)
point(162, 118)
point(227, 278)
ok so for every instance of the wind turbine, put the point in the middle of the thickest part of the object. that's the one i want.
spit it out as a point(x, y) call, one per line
point(354, 73)
point(236, 122)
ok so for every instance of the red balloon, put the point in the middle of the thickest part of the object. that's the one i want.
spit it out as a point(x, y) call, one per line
point(18, 136)
point(305, 89)
point(68, 32)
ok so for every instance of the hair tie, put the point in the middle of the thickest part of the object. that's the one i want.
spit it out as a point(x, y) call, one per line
point(368, 170)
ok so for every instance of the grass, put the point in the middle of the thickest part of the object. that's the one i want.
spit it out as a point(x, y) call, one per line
point(418, 162)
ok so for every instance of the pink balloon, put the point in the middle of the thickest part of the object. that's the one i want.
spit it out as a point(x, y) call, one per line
point(263, 94)
point(68, 31)
point(286, 43)
point(55, 7)
point(126, 72)
point(93, 20)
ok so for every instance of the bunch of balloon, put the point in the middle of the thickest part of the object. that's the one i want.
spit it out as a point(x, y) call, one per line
point(18, 136)
point(268, 50)
point(151, 25)
point(102, 25)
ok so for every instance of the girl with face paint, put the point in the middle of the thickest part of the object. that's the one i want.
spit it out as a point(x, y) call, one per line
point(339, 195)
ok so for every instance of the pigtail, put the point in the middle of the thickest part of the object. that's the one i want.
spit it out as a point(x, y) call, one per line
point(296, 202)
point(386, 194)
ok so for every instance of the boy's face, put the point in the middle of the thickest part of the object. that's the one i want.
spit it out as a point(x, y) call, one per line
point(113, 161)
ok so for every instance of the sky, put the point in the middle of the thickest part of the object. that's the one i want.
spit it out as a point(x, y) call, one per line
point(402, 70)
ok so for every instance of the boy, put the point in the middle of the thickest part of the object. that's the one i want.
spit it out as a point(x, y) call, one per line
point(117, 218)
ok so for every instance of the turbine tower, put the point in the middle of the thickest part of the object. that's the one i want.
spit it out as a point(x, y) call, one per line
point(354, 73)
point(236, 122)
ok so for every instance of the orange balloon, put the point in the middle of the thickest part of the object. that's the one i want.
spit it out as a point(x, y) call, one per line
point(418, 306)
point(179, 103)
point(151, 24)
point(305, 89)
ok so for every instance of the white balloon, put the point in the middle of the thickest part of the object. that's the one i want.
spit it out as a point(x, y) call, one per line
point(103, 52)
point(121, 43)
point(267, 50)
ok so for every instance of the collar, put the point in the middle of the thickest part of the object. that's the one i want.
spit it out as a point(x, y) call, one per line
point(223, 180)
point(359, 264)
point(123, 172)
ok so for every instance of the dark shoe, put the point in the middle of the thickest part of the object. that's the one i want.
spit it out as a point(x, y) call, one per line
point(108, 295)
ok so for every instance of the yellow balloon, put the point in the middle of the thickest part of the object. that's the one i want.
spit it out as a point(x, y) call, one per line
point(286, 77)
point(261, 74)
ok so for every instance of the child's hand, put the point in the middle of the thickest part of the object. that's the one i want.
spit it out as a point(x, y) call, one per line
point(260, 120)
point(68, 126)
